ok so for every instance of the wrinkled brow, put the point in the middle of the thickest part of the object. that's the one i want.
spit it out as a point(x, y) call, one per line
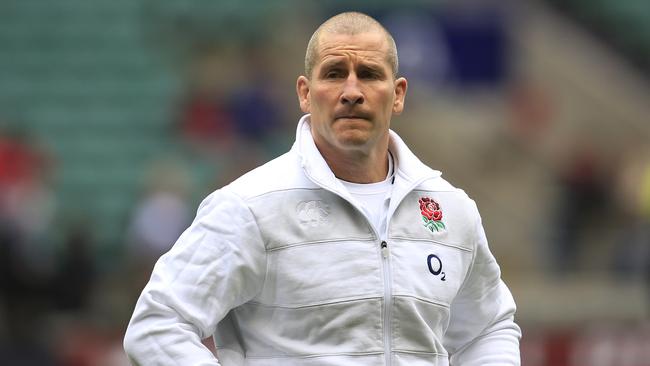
point(332, 63)
point(342, 62)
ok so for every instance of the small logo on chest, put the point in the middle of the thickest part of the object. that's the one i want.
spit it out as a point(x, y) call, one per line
point(435, 266)
point(431, 214)
point(313, 213)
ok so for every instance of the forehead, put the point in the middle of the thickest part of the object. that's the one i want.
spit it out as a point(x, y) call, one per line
point(368, 46)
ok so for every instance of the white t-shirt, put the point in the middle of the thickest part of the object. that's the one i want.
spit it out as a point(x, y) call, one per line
point(374, 197)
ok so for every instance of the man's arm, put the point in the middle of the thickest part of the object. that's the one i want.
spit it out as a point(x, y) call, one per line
point(482, 330)
point(218, 263)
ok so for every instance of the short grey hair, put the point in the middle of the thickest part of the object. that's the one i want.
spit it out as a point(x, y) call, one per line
point(349, 23)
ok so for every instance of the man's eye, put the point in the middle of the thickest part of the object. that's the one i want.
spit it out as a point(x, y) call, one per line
point(368, 75)
point(333, 74)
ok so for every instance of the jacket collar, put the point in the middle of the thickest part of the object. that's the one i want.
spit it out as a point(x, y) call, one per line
point(410, 171)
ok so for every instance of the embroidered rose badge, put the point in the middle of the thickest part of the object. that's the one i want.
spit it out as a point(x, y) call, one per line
point(431, 214)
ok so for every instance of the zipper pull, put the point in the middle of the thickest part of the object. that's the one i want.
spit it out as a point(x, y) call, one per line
point(384, 249)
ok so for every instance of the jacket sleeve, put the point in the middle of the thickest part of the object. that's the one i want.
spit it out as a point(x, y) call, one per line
point(482, 330)
point(218, 263)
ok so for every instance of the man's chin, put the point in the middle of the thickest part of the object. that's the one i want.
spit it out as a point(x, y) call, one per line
point(353, 139)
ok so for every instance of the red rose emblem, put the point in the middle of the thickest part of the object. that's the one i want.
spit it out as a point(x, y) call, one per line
point(430, 209)
point(431, 214)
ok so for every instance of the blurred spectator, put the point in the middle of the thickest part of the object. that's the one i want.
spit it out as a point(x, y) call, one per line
point(632, 253)
point(205, 121)
point(531, 113)
point(255, 114)
point(162, 213)
point(26, 254)
point(77, 271)
point(157, 220)
point(234, 125)
point(584, 202)
point(254, 110)
point(26, 212)
point(25, 199)
point(217, 119)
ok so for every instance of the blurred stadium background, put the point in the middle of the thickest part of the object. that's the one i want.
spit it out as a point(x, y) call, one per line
point(117, 117)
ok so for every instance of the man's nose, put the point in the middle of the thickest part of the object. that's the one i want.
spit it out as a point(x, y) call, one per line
point(352, 91)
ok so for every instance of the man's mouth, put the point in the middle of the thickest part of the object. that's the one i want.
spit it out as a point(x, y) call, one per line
point(352, 116)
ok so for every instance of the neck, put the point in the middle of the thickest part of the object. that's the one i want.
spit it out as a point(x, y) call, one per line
point(357, 166)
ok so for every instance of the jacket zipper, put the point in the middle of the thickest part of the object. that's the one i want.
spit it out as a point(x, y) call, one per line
point(388, 289)
point(388, 296)
point(385, 261)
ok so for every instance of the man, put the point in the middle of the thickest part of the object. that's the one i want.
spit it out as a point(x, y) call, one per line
point(347, 250)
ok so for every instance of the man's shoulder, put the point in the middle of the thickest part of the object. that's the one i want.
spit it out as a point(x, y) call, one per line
point(281, 173)
point(440, 186)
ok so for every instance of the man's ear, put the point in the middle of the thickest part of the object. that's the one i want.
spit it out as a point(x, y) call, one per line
point(302, 88)
point(400, 94)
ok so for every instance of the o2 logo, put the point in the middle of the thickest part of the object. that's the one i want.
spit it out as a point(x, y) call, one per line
point(435, 266)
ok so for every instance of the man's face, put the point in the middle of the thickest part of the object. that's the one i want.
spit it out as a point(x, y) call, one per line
point(352, 92)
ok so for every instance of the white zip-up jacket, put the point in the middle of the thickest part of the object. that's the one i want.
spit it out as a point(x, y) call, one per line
point(283, 268)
